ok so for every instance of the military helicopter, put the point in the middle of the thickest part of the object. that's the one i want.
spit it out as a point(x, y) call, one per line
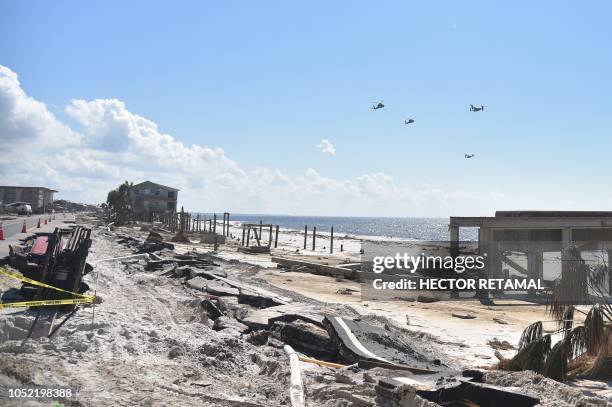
point(469, 155)
point(378, 105)
point(409, 120)
point(476, 108)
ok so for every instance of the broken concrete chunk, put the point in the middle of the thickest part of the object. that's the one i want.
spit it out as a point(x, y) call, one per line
point(414, 391)
point(221, 289)
point(208, 272)
point(307, 338)
point(224, 322)
point(211, 309)
point(180, 272)
point(229, 306)
point(258, 338)
point(343, 377)
point(264, 318)
point(197, 283)
point(254, 295)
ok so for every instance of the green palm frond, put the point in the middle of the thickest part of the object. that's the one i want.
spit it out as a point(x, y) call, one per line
point(568, 319)
point(531, 356)
point(576, 342)
point(594, 329)
point(532, 333)
point(556, 361)
point(598, 274)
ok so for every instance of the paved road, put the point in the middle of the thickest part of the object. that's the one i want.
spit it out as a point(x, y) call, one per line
point(13, 226)
point(12, 229)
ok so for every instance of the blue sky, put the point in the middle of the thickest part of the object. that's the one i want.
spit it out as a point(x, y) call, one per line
point(266, 81)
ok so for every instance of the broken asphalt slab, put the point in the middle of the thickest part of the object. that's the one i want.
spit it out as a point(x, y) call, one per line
point(438, 390)
point(264, 318)
point(371, 346)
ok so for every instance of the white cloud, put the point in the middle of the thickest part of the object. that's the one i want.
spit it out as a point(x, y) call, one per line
point(114, 144)
point(26, 121)
point(326, 147)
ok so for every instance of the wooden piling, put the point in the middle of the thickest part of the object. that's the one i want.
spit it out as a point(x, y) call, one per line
point(226, 223)
point(257, 237)
point(314, 237)
point(331, 241)
point(214, 230)
point(182, 221)
point(276, 238)
point(305, 236)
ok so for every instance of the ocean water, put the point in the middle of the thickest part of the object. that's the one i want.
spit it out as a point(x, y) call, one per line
point(397, 228)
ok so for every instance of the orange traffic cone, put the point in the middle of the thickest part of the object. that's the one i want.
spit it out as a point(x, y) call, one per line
point(23, 228)
point(1, 232)
point(38, 226)
point(45, 221)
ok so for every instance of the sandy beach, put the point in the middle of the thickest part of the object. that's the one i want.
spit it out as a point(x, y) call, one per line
point(148, 320)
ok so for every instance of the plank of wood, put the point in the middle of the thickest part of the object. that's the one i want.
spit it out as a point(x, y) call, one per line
point(296, 388)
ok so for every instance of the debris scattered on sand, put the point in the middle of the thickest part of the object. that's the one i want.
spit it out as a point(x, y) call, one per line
point(500, 345)
point(346, 291)
point(463, 315)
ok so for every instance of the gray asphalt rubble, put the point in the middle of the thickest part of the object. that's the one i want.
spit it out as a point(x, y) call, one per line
point(190, 328)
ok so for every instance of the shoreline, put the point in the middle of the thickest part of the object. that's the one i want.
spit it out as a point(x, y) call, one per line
point(433, 229)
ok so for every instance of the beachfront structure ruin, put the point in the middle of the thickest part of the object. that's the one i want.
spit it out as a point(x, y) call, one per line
point(534, 233)
point(148, 198)
point(40, 198)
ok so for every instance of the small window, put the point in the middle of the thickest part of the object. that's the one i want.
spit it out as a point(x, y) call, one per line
point(170, 194)
point(156, 192)
point(136, 192)
point(170, 206)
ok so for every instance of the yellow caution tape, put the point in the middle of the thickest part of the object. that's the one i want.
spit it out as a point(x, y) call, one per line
point(82, 298)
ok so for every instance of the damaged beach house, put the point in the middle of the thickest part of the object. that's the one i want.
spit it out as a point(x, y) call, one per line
point(149, 198)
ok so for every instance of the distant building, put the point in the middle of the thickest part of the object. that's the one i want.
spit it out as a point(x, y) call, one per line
point(149, 197)
point(40, 198)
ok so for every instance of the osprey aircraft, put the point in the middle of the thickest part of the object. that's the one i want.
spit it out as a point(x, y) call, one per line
point(476, 108)
point(378, 105)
